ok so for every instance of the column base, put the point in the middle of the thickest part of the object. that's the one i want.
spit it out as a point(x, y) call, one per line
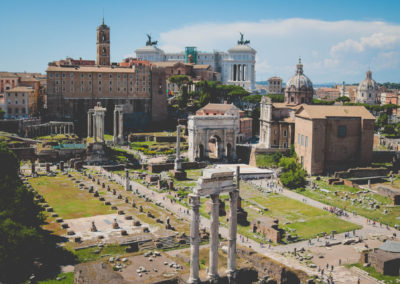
point(213, 279)
point(232, 276)
point(193, 281)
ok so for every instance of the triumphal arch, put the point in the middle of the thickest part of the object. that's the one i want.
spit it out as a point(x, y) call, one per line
point(212, 137)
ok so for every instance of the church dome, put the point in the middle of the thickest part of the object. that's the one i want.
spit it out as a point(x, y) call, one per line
point(368, 83)
point(299, 82)
point(241, 48)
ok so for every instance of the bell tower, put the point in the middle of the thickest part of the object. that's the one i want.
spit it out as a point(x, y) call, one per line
point(103, 45)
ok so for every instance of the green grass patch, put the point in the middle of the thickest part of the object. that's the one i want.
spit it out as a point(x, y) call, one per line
point(295, 217)
point(67, 199)
point(90, 254)
point(67, 278)
point(377, 275)
point(374, 214)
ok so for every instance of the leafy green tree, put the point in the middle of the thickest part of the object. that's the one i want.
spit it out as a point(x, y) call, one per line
point(389, 129)
point(343, 99)
point(277, 98)
point(321, 102)
point(293, 176)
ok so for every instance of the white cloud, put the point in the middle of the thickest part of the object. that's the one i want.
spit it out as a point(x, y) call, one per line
point(330, 50)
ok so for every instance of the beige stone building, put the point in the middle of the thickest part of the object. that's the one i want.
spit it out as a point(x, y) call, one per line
point(329, 138)
point(74, 86)
point(326, 138)
point(274, 85)
point(19, 102)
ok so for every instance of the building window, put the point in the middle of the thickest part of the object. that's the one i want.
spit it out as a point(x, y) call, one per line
point(110, 76)
point(110, 89)
point(285, 133)
point(23, 110)
point(99, 75)
point(119, 76)
point(302, 140)
point(16, 111)
point(63, 75)
point(51, 75)
point(71, 75)
point(342, 131)
point(56, 75)
point(56, 82)
point(90, 75)
point(306, 141)
point(16, 102)
point(81, 75)
point(100, 89)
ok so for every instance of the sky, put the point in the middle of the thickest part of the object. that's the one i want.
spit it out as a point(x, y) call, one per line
point(336, 40)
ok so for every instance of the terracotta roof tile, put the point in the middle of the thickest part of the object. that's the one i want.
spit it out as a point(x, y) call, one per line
point(323, 112)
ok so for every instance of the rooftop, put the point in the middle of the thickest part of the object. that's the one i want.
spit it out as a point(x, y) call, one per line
point(390, 246)
point(218, 107)
point(20, 89)
point(93, 69)
point(323, 112)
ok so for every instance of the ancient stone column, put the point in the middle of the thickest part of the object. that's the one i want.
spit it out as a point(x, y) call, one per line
point(126, 179)
point(214, 240)
point(178, 162)
point(61, 166)
point(94, 127)
point(115, 133)
point(89, 125)
point(33, 167)
point(231, 269)
point(194, 201)
point(102, 126)
point(121, 127)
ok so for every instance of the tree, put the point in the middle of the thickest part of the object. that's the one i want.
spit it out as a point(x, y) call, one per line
point(321, 102)
point(277, 98)
point(293, 176)
point(2, 113)
point(343, 99)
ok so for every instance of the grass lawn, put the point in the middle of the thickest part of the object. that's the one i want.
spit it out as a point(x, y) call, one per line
point(88, 254)
point(69, 279)
point(294, 216)
point(66, 199)
point(333, 200)
point(377, 275)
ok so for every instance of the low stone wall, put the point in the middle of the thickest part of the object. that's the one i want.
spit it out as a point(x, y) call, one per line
point(362, 172)
point(383, 156)
point(266, 266)
point(158, 168)
point(25, 153)
point(391, 193)
point(17, 125)
point(167, 139)
point(143, 138)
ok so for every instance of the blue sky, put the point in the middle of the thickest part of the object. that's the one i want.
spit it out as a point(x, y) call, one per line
point(337, 40)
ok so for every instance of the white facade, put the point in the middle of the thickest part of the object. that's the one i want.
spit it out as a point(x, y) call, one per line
point(367, 91)
point(237, 66)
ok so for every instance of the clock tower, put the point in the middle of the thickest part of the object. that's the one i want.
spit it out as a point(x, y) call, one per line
point(103, 45)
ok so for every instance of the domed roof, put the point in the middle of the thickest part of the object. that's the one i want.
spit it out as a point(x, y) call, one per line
point(148, 49)
point(368, 83)
point(299, 80)
point(241, 48)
